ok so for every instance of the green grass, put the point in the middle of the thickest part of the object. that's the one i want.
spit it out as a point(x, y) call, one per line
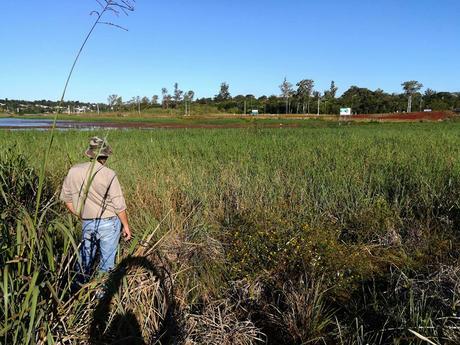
point(181, 120)
point(349, 203)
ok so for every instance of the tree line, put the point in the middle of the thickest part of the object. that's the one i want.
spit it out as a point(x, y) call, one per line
point(301, 98)
point(298, 98)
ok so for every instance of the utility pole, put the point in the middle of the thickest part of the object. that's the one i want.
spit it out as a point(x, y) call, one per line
point(97, 106)
point(244, 107)
point(319, 100)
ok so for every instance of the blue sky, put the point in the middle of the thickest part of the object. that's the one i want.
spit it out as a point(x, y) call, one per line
point(251, 44)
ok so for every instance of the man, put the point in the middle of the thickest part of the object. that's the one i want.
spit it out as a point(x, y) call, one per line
point(91, 191)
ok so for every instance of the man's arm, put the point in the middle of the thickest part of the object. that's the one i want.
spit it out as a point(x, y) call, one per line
point(66, 195)
point(116, 196)
point(124, 220)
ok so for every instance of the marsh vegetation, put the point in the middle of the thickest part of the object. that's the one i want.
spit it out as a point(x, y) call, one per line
point(337, 234)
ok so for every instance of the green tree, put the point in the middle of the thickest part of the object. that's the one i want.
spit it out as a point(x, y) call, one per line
point(166, 98)
point(286, 92)
point(115, 102)
point(224, 93)
point(188, 98)
point(410, 87)
point(333, 90)
point(190, 95)
point(177, 94)
point(365, 101)
point(317, 96)
point(144, 103)
point(430, 92)
point(304, 91)
point(329, 98)
point(135, 104)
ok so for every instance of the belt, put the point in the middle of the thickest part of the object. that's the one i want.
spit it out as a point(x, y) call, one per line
point(91, 219)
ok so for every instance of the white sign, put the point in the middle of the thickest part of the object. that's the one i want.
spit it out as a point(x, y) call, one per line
point(255, 112)
point(345, 111)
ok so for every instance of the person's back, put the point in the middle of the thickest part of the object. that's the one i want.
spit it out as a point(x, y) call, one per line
point(94, 191)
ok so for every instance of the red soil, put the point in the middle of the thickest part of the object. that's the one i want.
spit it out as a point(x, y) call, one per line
point(418, 116)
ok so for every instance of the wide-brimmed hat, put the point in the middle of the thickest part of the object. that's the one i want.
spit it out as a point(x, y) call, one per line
point(98, 148)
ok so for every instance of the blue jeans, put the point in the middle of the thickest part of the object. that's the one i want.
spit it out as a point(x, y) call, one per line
point(100, 236)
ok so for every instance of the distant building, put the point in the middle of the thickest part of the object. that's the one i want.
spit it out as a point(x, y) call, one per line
point(83, 109)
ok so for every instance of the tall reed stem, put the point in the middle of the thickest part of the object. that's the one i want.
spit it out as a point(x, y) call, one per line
point(108, 6)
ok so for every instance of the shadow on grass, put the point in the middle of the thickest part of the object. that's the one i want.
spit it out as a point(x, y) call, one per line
point(124, 328)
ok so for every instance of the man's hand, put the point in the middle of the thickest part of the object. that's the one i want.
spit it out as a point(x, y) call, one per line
point(70, 207)
point(126, 234)
point(124, 221)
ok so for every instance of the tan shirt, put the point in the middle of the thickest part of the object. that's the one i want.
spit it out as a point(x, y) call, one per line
point(104, 197)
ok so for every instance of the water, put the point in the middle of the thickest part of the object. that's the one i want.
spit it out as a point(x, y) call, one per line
point(11, 122)
point(15, 123)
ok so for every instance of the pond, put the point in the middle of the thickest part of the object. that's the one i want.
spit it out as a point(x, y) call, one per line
point(15, 123)
point(11, 122)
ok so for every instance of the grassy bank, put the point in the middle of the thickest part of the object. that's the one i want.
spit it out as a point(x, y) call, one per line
point(323, 234)
point(220, 120)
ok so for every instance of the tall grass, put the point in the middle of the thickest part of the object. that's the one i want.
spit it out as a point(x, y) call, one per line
point(322, 235)
point(41, 303)
point(33, 269)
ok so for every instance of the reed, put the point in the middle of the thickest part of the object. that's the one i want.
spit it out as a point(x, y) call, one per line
point(364, 216)
point(106, 6)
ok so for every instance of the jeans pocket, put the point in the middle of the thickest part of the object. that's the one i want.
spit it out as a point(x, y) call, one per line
point(116, 225)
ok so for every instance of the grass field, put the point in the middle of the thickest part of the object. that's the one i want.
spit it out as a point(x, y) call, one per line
point(191, 121)
point(327, 233)
point(148, 120)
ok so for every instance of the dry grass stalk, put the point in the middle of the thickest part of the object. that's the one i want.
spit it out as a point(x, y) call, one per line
point(219, 325)
point(304, 315)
